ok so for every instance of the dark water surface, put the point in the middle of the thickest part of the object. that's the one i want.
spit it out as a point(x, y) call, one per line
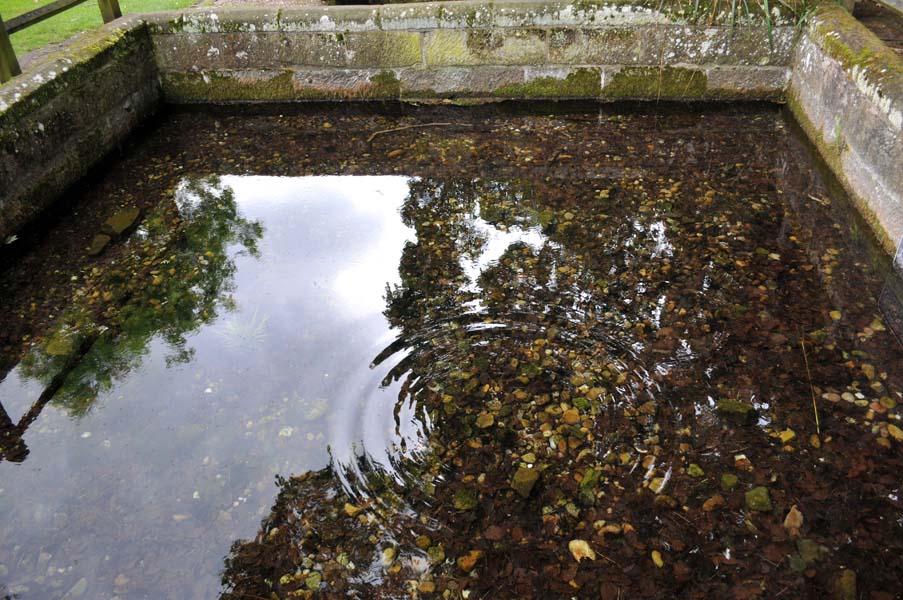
point(407, 352)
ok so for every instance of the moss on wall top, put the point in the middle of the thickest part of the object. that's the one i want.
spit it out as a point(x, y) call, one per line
point(69, 66)
point(850, 42)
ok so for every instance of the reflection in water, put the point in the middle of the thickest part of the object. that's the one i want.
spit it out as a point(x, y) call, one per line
point(237, 276)
point(175, 282)
point(457, 381)
point(509, 322)
point(554, 352)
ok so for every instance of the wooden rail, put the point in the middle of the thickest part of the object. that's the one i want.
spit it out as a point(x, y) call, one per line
point(9, 64)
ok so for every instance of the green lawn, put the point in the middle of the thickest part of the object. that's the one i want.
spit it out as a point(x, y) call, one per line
point(66, 24)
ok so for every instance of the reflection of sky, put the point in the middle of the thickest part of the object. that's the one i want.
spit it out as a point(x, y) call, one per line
point(159, 460)
point(494, 241)
point(358, 245)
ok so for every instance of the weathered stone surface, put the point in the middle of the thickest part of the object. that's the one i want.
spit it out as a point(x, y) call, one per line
point(457, 81)
point(280, 86)
point(448, 15)
point(747, 83)
point(531, 13)
point(448, 47)
point(472, 49)
point(847, 93)
point(61, 118)
point(739, 46)
point(231, 51)
point(607, 46)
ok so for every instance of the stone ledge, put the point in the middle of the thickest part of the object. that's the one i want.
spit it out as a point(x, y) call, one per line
point(601, 82)
point(469, 14)
point(846, 91)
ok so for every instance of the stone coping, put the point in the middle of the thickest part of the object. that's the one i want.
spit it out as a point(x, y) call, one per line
point(846, 90)
point(470, 14)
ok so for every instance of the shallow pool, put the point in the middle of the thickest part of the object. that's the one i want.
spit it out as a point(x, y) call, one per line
point(399, 351)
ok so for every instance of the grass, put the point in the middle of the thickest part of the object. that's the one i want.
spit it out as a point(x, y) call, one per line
point(65, 25)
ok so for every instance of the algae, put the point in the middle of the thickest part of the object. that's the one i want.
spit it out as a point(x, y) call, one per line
point(581, 83)
point(657, 82)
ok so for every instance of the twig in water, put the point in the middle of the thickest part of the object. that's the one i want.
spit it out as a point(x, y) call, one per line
point(609, 560)
point(809, 377)
point(418, 125)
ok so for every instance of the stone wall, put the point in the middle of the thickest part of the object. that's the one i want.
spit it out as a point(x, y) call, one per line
point(846, 90)
point(896, 5)
point(507, 49)
point(843, 85)
point(60, 119)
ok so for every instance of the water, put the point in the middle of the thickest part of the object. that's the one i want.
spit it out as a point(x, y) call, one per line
point(325, 362)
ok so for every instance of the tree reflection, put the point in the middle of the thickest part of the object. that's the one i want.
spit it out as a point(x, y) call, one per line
point(518, 335)
point(176, 275)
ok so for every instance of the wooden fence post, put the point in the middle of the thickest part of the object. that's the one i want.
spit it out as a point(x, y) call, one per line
point(9, 65)
point(109, 10)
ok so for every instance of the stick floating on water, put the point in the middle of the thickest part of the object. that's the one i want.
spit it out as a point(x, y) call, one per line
point(417, 126)
point(811, 389)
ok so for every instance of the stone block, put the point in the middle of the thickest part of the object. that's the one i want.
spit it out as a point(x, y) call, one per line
point(449, 47)
point(603, 46)
point(443, 82)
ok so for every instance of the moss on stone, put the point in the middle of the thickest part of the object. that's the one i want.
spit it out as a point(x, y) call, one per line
point(657, 82)
point(218, 87)
point(80, 60)
point(745, 94)
point(191, 88)
point(385, 84)
point(849, 42)
point(831, 153)
point(581, 83)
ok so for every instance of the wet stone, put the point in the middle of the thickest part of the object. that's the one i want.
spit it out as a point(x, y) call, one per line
point(467, 562)
point(121, 221)
point(736, 411)
point(758, 499)
point(465, 499)
point(845, 585)
point(523, 481)
point(810, 551)
point(312, 581)
point(485, 420)
point(98, 243)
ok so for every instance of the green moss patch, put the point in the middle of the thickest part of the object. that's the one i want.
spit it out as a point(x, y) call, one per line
point(385, 85)
point(848, 41)
point(216, 87)
point(223, 87)
point(581, 83)
point(657, 82)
